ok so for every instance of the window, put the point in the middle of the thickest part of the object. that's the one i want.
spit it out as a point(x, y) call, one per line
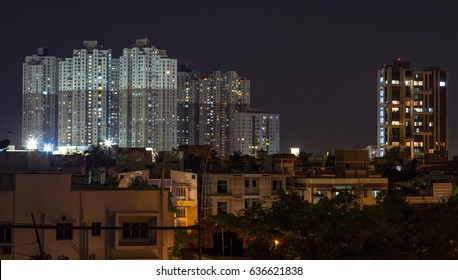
point(5, 234)
point(181, 191)
point(276, 186)
point(375, 193)
point(181, 213)
point(222, 208)
point(251, 203)
point(137, 232)
point(319, 194)
point(222, 186)
point(64, 231)
point(96, 231)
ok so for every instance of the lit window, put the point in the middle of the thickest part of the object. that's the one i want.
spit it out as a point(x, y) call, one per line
point(181, 191)
point(442, 84)
point(181, 213)
point(375, 193)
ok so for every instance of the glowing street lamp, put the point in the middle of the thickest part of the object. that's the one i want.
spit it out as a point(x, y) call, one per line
point(47, 147)
point(32, 144)
point(276, 242)
point(108, 143)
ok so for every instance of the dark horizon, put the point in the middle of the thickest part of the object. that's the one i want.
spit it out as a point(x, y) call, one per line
point(314, 64)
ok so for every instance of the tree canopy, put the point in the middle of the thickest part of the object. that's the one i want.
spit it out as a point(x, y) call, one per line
point(336, 229)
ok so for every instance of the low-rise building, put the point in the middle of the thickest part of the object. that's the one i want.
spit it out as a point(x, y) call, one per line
point(81, 221)
point(441, 192)
point(364, 189)
point(230, 193)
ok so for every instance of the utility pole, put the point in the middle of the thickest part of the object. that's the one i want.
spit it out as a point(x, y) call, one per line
point(38, 237)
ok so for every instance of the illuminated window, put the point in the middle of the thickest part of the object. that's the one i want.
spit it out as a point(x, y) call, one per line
point(181, 191)
point(375, 193)
point(181, 213)
point(395, 82)
point(442, 84)
point(395, 109)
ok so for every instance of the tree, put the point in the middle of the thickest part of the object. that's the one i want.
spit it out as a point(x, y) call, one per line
point(99, 156)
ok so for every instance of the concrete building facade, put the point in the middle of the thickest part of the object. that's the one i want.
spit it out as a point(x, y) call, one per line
point(254, 131)
point(230, 193)
point(412, 110)
point(84, 84)
point(81, 222)
point(39, 99)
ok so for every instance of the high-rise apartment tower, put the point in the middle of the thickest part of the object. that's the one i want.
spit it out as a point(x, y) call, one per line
point(412, 111)
point(39, 100)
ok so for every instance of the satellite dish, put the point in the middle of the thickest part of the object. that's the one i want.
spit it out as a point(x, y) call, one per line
point(4, 144)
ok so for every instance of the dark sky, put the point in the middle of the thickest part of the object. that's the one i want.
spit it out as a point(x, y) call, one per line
point(313, 63)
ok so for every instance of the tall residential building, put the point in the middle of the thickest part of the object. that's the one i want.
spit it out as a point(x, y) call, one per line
point(147, 98)
point(84, 83)
point(208, 107)
point(412, 110)
point(139, 99)
point(254, 131)
point(39, 99)
point(113, 102)
point(164, 103)
point(136, 95)
point(187, 106)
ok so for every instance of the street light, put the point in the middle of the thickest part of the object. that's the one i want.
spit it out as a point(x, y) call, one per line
point(47, 147)
point(32, 144)
point(108, 143)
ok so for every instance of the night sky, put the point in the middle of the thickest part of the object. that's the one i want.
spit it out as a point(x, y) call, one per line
point(313, 63)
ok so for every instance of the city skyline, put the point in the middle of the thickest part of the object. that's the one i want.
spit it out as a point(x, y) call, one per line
point(133, 100)
point(314, 65)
